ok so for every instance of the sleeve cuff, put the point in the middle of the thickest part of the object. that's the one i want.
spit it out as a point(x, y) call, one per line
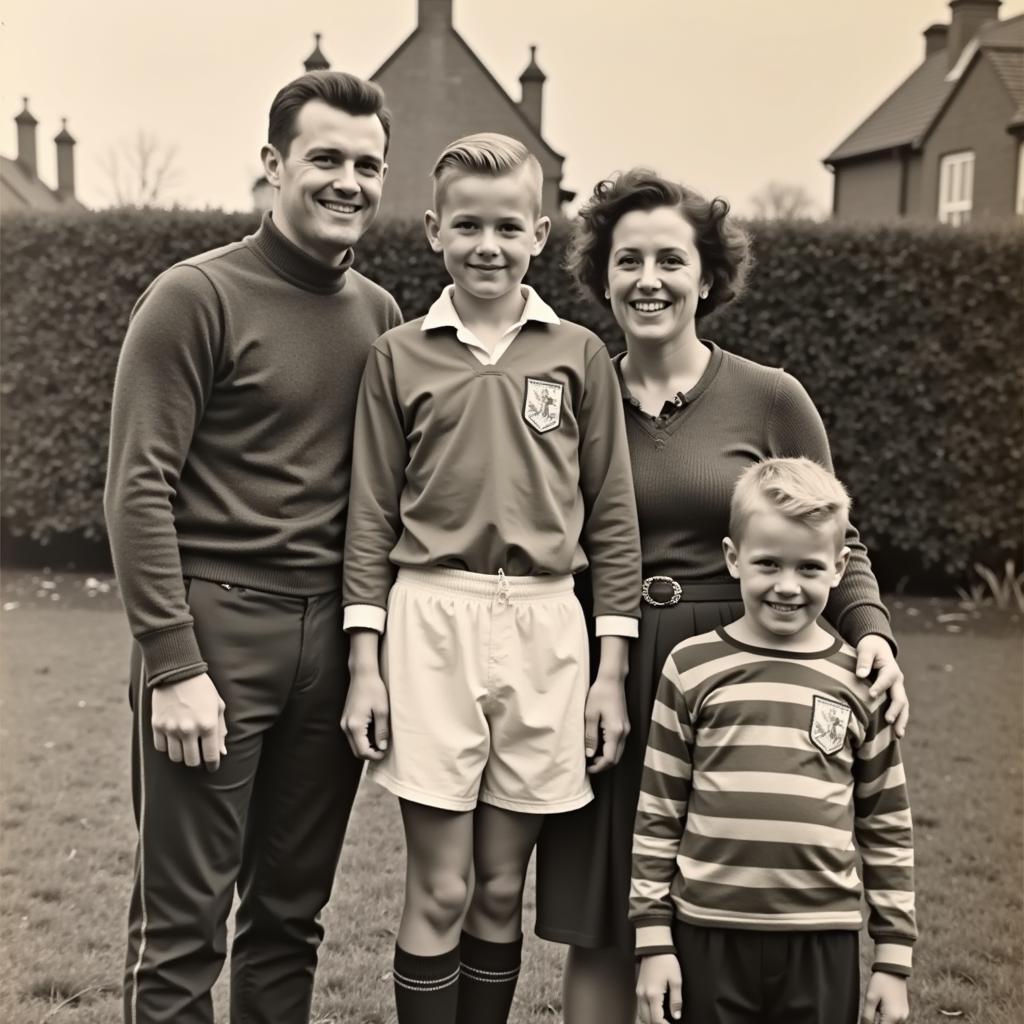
point(652, 939)
point(893, 958)
point(364, 616)
point(616, 625)
point(865, 620)
point(171, 655)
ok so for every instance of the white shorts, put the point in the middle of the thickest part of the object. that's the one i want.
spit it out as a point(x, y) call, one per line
point(488, 678)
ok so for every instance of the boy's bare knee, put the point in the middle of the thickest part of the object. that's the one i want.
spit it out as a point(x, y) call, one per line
point(442, 899)
point(498, 897)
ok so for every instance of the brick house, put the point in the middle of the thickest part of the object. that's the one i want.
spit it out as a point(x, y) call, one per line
point(437, 90)
point(21, 188)
point(948, 144)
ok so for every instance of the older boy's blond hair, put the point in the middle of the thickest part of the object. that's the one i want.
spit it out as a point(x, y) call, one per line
point(797, 488)
point(485, 153)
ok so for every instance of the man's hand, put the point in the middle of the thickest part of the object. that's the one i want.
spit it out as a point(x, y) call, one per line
point(605, 721)
point(188, 722)
point(874, 652)
point(658, 975)
point(886, 1000)
point(366, 709)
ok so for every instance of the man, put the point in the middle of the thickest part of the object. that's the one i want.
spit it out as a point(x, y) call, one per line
point(226, 501)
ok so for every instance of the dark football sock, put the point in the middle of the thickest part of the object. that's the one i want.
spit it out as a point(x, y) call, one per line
point(490, 971)
point(426, 987)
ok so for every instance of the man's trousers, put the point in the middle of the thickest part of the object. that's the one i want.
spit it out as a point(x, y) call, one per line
point(270, 820)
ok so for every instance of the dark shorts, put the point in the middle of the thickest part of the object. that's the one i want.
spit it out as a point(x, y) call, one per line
point(583, 857)
point(736, 976)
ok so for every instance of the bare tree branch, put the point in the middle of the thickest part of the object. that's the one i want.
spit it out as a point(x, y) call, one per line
point(142, 171)
point(779, 200)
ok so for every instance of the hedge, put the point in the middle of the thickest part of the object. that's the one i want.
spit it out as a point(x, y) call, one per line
point(908, 339)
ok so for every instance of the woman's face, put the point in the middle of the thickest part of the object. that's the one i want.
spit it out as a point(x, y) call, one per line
point(654, 275)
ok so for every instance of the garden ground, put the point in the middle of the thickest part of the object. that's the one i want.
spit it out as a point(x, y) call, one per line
point(66, 831)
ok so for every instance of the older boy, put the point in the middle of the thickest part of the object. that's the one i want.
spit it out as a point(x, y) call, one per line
point(490, 455)
point(226, 499)
point(767, 757)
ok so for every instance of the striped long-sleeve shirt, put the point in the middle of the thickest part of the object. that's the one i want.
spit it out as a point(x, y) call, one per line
point(765, 772)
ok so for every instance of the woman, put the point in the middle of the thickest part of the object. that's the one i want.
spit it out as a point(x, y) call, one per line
point(663, 257)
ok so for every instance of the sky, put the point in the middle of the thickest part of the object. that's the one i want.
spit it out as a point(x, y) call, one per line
point(726, 95)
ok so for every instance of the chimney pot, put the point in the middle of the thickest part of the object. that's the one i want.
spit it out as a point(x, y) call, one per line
point(968, 16)
point(434, 15)
point(27, 139)
point(65, 161)
point(531, 81)
point(316, 61)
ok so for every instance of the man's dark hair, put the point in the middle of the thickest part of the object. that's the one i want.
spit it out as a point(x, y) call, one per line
point(338, 89)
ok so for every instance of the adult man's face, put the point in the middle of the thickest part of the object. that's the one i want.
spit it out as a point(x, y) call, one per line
point(329, 184)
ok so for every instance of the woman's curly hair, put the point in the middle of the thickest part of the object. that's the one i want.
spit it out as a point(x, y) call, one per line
point(723, 246)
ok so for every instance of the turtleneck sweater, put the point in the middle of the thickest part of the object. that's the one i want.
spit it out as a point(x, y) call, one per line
point(231, 432)
point(686, 461)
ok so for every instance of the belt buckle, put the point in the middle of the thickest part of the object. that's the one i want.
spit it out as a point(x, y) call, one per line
point(677, 591)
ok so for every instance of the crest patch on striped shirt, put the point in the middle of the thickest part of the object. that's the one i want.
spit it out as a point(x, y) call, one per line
point(829, 722)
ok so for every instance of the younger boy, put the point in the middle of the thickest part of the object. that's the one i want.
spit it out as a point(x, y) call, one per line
point(490, 454)
point(767, 757)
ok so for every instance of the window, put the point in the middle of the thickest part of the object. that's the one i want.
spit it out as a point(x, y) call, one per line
point(956, 188)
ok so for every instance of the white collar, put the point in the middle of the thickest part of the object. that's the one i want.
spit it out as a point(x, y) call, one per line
point(444, 314)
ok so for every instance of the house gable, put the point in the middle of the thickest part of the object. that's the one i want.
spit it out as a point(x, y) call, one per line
point(967, 98)
point(974, 119)
point(438, 89)
point(399, 55)
point(1001, 46)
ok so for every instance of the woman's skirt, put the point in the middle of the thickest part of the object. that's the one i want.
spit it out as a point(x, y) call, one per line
point(583, 857)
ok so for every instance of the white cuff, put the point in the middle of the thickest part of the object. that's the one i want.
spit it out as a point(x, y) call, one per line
point(364, 616)
point(616, 625)
point(654, 938)
point(900, 957)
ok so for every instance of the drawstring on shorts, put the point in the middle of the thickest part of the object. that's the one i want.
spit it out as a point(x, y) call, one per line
point(503, 595)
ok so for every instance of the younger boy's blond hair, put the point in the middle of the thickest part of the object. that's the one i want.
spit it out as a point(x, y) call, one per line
point(486, 153)
point(798, 488)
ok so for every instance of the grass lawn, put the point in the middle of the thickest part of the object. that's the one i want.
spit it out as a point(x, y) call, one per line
point(66, 831)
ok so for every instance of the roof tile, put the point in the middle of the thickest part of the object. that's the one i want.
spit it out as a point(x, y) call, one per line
point(1009, 65)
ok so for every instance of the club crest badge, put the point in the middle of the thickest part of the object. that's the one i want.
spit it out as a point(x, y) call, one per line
point(542, 404)
point(829, 721)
